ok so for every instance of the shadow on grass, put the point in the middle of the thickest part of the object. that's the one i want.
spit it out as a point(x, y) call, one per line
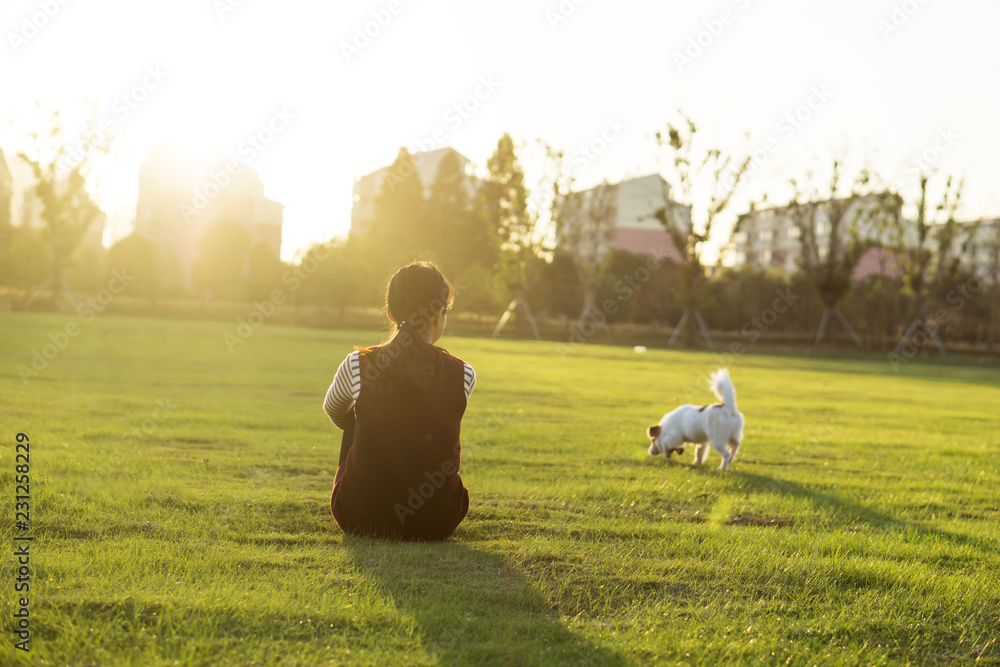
point(851, 508)
point(471, 607)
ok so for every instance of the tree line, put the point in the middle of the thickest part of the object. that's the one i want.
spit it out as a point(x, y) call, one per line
point(495, 246)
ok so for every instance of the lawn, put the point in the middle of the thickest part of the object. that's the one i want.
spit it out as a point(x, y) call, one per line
point(180, 491)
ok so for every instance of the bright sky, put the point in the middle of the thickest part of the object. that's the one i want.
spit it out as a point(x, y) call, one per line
point(886, 79)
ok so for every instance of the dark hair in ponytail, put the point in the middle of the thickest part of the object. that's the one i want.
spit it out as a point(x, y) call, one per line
point(406, 362)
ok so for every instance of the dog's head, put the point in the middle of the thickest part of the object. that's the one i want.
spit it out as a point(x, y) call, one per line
point(653, 432)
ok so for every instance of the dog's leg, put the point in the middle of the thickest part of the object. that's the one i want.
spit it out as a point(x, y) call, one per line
point(669, 443)
point(701, 453)
point(734, 446)
point(719, 444)
point(725, 459)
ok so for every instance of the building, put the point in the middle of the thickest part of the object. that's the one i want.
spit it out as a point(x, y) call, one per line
point(630, 225)
point(977, 243)
point(770, 237)
point(178, 201)
point(367, 187)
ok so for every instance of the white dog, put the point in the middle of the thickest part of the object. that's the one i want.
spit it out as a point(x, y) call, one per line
point(720, 424)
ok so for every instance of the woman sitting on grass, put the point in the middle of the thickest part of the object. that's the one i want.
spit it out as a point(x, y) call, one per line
point(400, 405)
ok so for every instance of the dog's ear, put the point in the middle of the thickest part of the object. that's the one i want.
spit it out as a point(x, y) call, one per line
point(653, 430)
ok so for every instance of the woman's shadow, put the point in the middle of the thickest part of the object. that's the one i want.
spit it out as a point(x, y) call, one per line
point(472, 607)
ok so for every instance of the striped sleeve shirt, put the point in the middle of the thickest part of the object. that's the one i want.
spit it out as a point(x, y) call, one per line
point(346, 385)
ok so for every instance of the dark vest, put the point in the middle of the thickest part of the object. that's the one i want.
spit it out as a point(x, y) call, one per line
point(399, 461)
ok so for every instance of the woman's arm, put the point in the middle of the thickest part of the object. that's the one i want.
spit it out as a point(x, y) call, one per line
point(470, 381)
point(343, 391)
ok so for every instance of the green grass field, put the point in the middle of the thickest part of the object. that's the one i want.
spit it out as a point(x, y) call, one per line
point(179, 505)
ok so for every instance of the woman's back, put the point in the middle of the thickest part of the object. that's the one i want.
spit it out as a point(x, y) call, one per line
point(401, 405)
point(400, 476)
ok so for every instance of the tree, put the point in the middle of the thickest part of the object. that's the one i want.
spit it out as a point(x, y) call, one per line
point(6, 227)
point(221, 267)
point(457, 234)
point(478, 291)
point(139, 257)
point(84, 273)
point(334, 276)
point(636, 299)
point(264, 271)
point(6, 191)
point(584, 224)
point(24, 257)
point(67, 207)
point(882, 287)
point(505, 204)
point(830, 237)
point(559, 285)
point(398, 231)
point(991, 246)
point(686, 214)
point(922, 267)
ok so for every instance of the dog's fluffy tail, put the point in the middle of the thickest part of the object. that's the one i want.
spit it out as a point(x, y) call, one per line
point(723, 388)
